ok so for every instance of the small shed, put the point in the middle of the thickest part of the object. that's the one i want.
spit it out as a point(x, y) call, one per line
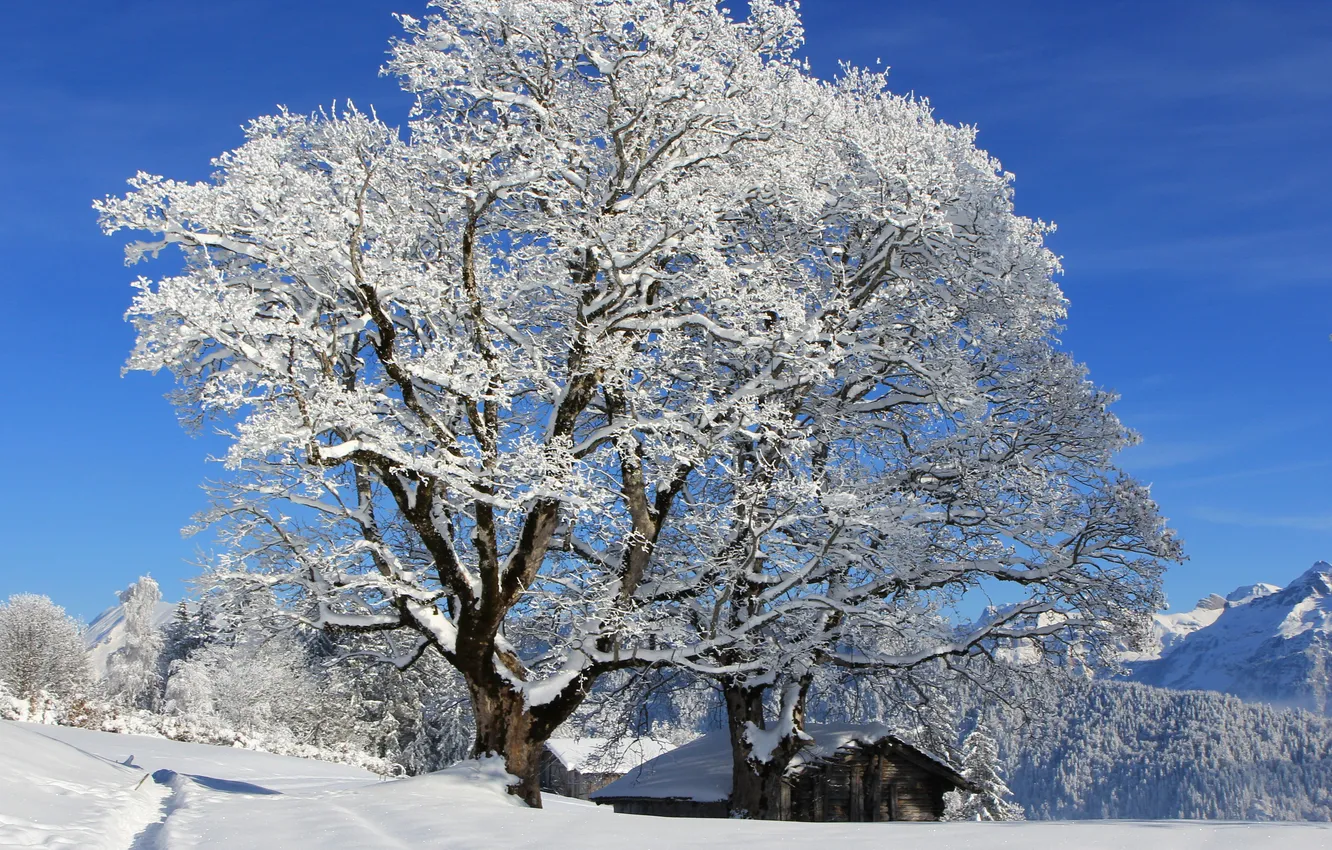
point(575, 767)
point(847, 773)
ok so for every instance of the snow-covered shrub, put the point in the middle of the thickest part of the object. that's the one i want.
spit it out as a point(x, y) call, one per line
point(259, 691)
point(11, 707)
point(42, 658)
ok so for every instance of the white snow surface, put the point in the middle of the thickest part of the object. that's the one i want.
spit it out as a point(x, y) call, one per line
point(699, 770)
point(53, 795)
point(60, 795)
point(224, 764)
point(106, 633)
point(605, 755)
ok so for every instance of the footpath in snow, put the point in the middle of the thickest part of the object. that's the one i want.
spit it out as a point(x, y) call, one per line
point(68, 788)
point(55, 795)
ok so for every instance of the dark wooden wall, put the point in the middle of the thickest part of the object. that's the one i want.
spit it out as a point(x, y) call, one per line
point(670, 808)
point(557, 779)
point(866, 784)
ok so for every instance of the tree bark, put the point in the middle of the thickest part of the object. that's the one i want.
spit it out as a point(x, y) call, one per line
point(505, 727)
point(756, 786)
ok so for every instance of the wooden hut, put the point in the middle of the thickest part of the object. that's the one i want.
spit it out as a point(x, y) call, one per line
point(847, 773)
point(575, 767)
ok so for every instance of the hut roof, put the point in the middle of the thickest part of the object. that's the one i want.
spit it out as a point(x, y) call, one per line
point(606, 755)
point(701, 770)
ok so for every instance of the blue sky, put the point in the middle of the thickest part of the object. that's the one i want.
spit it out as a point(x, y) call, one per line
point(1182, 148)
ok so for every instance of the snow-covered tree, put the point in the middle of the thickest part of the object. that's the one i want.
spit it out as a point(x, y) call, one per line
point(953, 448)
point(133, 672)
point(41, 650)
point(266, 692)
point(1107, 749)
point(640, 348)
point(936, 729)
point(190, 630)
point(980, 765)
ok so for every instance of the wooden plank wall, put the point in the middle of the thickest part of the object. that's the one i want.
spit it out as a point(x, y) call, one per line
point(670, 808)
point(866, 784)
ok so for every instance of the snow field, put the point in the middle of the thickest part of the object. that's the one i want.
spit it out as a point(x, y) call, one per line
point(53, 795)
point(68, 793)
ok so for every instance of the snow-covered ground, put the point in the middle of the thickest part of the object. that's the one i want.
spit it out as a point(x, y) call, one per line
point(54, 795)
point(62, 788)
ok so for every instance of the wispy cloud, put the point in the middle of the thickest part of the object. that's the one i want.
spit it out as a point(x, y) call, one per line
point(1248, 257)
point(1167, 454)
point(1280, 470)
point(1236, 444)
point(1247, 519)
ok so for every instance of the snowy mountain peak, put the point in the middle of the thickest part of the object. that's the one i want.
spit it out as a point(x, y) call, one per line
point(1268, 645)
point(106, 633)
point(1249, 592)
point(1210, 602)
point(1316, 579)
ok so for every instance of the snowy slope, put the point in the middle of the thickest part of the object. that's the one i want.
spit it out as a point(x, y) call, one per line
point(1169, 629)
point(228, 764)
point(60, 797)
point(1272, 647)
point(106, 633)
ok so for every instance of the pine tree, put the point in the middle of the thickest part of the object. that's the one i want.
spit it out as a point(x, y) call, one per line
point(937, 726)
point(980, 765)
point(190, 629)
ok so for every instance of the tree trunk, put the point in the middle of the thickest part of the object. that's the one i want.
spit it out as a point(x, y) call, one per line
point(505, 727)
point(756, 786)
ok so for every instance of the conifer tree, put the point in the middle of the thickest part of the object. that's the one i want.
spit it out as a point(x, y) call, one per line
point(980, 765)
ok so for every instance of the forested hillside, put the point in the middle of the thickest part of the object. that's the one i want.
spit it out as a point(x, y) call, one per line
point(1120, 750)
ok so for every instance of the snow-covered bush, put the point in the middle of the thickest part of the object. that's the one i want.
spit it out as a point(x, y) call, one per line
point(255, 691)
point(42, 658)
point(11, 707)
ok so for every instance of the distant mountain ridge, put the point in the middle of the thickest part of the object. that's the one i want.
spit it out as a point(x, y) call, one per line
point(1169, 629)
point(106, 633)
point(1261, 643)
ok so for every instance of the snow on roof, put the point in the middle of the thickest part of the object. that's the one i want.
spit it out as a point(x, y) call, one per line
point(701, 770)
point(605, 755)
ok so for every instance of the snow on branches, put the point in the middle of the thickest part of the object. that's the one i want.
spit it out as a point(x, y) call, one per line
point(638, 347)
